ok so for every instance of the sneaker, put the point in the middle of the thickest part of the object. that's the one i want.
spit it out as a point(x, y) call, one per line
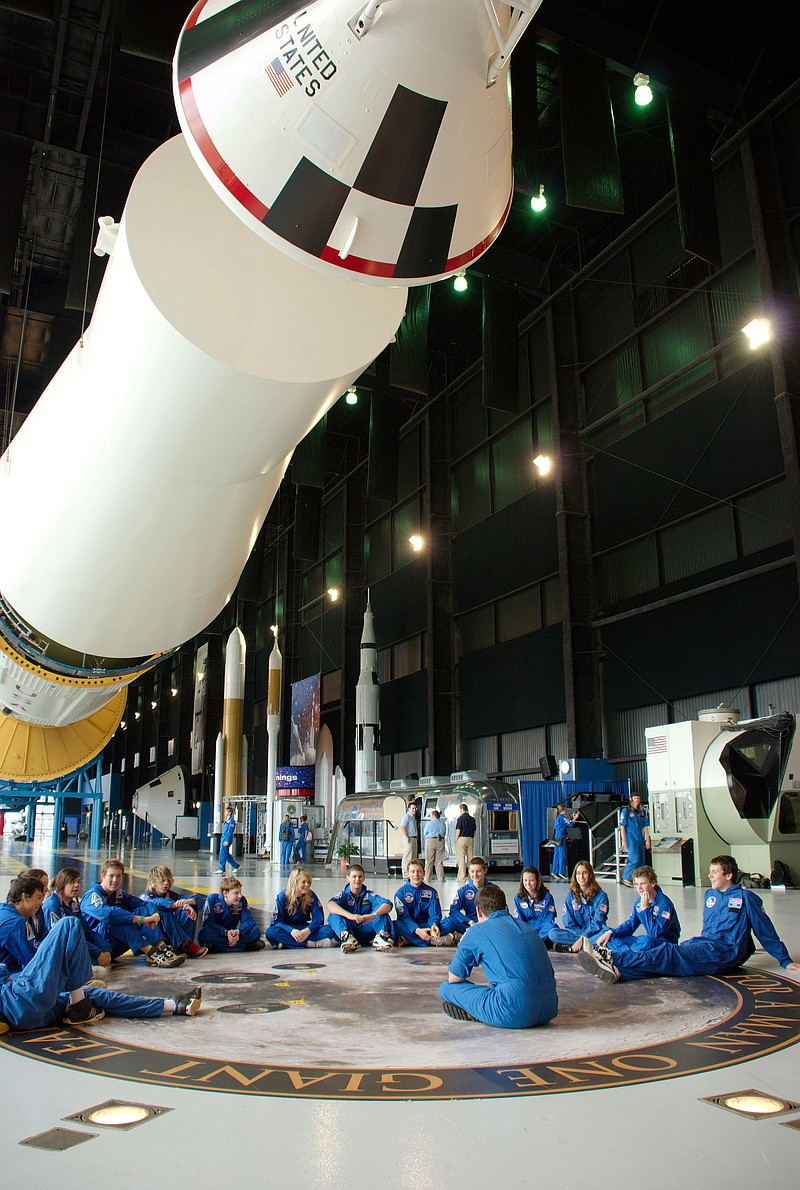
point(601, 968)
point(221, 872)
point(259, 944)
point(401, 941)
point(164, 956)
point(83, 1013)
point(604, 953)
point(586, 945)
point(194, 951)
point(458, 1014)
point(349, 944)
point(562, 947)
point(382, 941)
point(627, 883)
point(100, 972)
point(189, 1003)
point(281, 946)
point(323, 942)
point(95, 983)
point(445, 940)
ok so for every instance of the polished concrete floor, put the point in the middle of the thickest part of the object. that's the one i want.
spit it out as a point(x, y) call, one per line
point(380, 1012)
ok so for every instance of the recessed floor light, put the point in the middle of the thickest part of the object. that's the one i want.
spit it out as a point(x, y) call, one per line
point(118, 1113)
point(756, 1105)
point(57, 1140)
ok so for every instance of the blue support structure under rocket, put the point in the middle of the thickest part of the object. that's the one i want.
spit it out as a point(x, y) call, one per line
point(84, 783)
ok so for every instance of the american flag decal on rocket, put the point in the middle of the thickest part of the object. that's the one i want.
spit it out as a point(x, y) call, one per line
point(279, 77)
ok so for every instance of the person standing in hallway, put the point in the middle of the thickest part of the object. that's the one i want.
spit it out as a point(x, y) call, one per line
point(465, 841)
point(634, 823)
point(434, 831)
point(409, 828)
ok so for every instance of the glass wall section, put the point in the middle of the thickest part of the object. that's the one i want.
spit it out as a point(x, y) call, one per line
point(611, 383)
point(697, 544)
point(468, 417)
point(672, 344)
point(512, 616)
point(512, 465)
point(378, 549)
point(519, 614)
point(475, 631)
point(470, 499)
point(386, 545)
point(604, 308)
point(656, 257)
point(735, 299)
point(762, 518)
point(407, 657)
point(627, 572)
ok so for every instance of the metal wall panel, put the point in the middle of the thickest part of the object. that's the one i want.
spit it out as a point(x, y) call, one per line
point(784, 695)
point(626, 729)
point(480, 754)
point(522, 749)
point(688, 708)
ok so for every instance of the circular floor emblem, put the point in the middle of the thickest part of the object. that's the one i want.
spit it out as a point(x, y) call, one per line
point(604, 1036)
point(234, 977)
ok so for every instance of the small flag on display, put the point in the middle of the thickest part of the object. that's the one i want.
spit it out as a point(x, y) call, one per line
point(279, 76)
point(656, 743)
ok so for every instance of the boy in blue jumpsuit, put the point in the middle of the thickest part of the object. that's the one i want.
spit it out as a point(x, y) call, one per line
point(653, 911)
point(462, 913)
point(118, 918)
point(633, 826)
point(585, 912)
point(178, 914)
point(534, 905)
point(63, 902)
point(298, 919)
point(228, 925)
point(560, 827)
point(359, 917)
point(303, 831)
point(19, 915)
point(522, 986)
point(730, 913)
point(419, 913)
point(286, 838)
point(50, 988)
point(226, 842)
point(38, 921)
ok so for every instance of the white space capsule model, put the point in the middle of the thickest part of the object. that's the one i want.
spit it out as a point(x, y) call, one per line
point(331, 157)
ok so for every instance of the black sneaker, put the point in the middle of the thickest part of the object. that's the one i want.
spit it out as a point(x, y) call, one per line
point(188, 1004)
point(259, 944)
point(164, 956)
point(601, 968)
point(563, 948)
point(458, 1014)
point(83, 1013)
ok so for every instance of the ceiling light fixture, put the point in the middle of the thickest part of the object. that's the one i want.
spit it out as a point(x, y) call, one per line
point(351, 397)
point(460, 283)
point(416, 542)
point(643, 94)
point(539, 201)
point(543, 464)
point(758, 332)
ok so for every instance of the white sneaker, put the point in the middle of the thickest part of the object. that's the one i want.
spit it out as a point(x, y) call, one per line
point(100, 972)
point(382, 941)
point(445, 940)
point(349, 944)
point(323, 942)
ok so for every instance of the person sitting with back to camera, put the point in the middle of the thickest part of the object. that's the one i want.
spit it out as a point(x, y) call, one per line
point(118, 918)
point(534, 905)
point(462, 913)
point(228, 925)
point(286, 838)
point(522, 986)
point(360, 917)
point(652, 910)
point(298, 919)
point(585, 912)
point(64, 901)
point(178, 914)
point(419, 913)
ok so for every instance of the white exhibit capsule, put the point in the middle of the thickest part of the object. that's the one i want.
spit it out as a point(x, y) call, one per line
point(367, 707)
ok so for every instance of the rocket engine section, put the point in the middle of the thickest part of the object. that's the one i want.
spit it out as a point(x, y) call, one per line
point(728, 786)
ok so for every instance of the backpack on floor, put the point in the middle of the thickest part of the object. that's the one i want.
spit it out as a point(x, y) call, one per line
point(780, 874)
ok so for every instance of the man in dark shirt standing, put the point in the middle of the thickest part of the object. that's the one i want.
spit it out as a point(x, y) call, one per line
point(465, 841)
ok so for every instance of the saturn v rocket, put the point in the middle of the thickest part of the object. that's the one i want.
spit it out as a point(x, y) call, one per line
point(331, 155)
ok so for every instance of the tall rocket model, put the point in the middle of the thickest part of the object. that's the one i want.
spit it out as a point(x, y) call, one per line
point(273, 731)
point(331, 155)
point(368, 728)
point(230, 754)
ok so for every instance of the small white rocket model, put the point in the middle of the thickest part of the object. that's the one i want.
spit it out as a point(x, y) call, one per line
point(273, 729)
point(367, 707)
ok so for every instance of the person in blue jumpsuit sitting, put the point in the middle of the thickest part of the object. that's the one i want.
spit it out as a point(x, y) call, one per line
point(178, 914)
point(226, 842)
point(653, 911)
point(560, 827)
point(64, 901)
point(20, 936)
point(228, 925)
point(118, 919)
point(534, 905)
point(731, 915)
point(298, 918)
point(39, 922)
point(303, 832)
point(585, 912)
point(634, 824)
point(359, 917)
point(419, 913)
point(286, 838)
point(462, 913)
point(522, 986)
point(51, 988)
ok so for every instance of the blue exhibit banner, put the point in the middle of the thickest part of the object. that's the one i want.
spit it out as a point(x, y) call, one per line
point(295, 776)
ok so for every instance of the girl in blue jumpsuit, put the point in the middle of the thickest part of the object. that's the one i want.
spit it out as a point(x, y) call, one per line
point(225, 843)
point(286, 836)
point(534, 905)
point(560, 828)
point(298, 918)
point(63, 902)
point(634, 821)
point(585, 912)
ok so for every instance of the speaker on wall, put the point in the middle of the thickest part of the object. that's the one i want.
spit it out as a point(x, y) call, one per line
point(548, 767)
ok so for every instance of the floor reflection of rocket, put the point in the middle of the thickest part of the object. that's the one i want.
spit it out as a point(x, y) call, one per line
point(367, 707)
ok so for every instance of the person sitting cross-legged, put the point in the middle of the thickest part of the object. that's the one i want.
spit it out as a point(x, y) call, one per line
point(51, 988)
point(522, 986)
point(462, 913)
point(298, 918)
point(534, 904)
point(228, 925)
point(118, 918)
point(360, 917)
point(419, 913)
point(585, 912)
point(178, 914)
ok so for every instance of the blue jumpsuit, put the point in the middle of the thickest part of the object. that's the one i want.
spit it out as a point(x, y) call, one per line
point(560, 826)
point(302, 839)
point(287, 844)
point(225, 841)
point(659, 919)
point(522, 986)
point(724, 944)
point(417, 908)
point(54, 909)
point(634, 822)
point(18, 938)
point(582, 918)
point(539, 915)
point(111, 914)
point(218, 918)
point(283, 922)
point(38, 996)
point(178, 928)
point(366, 902)
point(462, 913)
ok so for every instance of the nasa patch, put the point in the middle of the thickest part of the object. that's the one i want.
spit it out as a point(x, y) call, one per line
point(470, 896)
point(710, 902)
point(408, 898)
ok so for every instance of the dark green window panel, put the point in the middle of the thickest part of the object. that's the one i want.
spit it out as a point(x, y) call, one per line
point(698, 544)
point(762, 518)
point(512, 465)
point(471, 490)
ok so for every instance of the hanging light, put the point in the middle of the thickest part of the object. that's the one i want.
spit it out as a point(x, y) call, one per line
point(351, 397)
point(460, 283)
point(539, 201)
point(643, 93)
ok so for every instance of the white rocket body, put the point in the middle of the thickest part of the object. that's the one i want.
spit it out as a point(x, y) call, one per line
point(367, 708)
point(273, 732)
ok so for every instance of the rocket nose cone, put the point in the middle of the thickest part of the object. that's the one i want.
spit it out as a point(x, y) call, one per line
point(368, 633)
point(235, 648)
